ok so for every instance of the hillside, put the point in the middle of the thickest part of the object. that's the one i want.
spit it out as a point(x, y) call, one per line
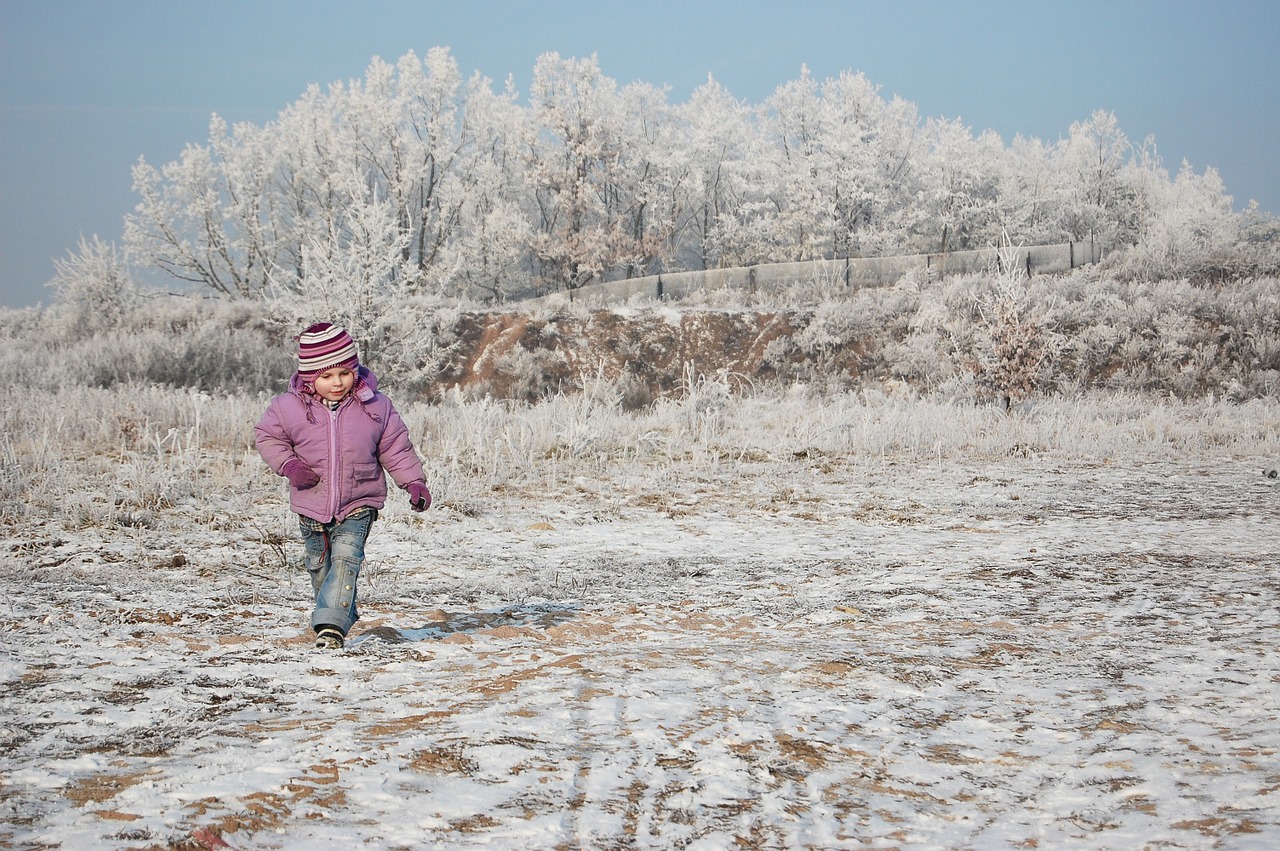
point(973, 336)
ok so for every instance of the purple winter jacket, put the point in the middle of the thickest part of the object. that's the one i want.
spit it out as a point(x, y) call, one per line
point(348, 447)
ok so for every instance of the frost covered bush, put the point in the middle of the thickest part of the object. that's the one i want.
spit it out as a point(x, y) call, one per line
point(94, 289)
point(1088, 329)
point(1168, 336)
point(182, 343)
point(210, 345)
point(1069, 333)
point(1192, 233)
point(526, 376)
point(208, 358)
point(1015, 356)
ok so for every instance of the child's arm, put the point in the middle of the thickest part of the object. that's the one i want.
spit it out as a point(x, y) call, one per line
point(276, 448)
point(399, 458)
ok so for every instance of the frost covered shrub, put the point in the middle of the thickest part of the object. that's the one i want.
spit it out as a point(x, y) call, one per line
point(844, 340)
point(169, 341)
point(1098, 330)
point(94, 289)
point(527, 376)
point(211, 359)
point(1167, 336)
point(128, 455)
point(1014, 357)
point(21, 323)
point(216, 345)
point(1070, 333)
point(15, 479)
point(938, 327)
point(833, 326)
point(1191, 232)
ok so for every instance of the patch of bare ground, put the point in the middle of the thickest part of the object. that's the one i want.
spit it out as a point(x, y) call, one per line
point(518, 356)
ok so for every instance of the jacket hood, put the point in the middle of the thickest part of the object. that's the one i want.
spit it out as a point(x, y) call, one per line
point(366, 385)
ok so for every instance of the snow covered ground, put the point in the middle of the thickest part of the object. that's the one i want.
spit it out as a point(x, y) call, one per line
point(783, 650)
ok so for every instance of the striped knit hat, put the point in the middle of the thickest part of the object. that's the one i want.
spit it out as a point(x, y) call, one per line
point(323, 346)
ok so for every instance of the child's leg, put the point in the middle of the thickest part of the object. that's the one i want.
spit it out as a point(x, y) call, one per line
point(336, 585)
point(316, 553)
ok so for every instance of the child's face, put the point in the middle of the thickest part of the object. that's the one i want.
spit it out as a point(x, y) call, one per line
point(334, 384)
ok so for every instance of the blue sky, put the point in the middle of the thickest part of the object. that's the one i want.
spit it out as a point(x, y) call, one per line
point(88, 86)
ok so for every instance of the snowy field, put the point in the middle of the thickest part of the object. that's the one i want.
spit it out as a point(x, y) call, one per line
point(1013, 635)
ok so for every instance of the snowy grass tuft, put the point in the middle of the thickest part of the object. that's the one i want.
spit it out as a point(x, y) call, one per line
point(123, 456)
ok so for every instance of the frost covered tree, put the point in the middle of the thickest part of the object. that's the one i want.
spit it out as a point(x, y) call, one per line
point(963, 200)
point(870, 153)
point(1014, 356)
point(403, 126)
point(1029, 192)
point(648, 187)
point(1094, 194)
point(488, 255)
point(714, 148)
point(847, 163)
point(1190, 230)
point(94, 286)
point(238, 214)
point(1259, 245)
point(577, 166)
point(211, 218)
point(358, 269)
point(587, 181)
point(361, 275)
point(399, 129)
point(788, 222)
point(308, 169)
point(601, 172)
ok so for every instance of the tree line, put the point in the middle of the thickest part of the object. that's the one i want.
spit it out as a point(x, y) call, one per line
point(413, 182)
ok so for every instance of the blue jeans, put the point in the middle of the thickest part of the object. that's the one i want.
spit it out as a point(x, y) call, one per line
point(334, 555)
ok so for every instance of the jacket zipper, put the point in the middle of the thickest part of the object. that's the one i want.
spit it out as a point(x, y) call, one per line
point(333, 463)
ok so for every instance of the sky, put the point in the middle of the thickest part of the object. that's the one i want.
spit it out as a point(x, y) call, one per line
point(88, 87)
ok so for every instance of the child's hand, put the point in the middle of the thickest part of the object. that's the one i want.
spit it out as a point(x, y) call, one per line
point(299, 475)
point(419, 496)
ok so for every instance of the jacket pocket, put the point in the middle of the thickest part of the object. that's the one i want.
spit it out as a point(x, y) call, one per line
point(366, 472)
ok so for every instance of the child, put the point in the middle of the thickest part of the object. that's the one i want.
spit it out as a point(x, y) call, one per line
point(331, 436)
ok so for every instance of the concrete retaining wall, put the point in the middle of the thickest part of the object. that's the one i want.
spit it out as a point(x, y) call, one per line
point(860, 271)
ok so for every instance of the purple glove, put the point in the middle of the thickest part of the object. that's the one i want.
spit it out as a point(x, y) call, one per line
point(299, 475)
point(419, 496)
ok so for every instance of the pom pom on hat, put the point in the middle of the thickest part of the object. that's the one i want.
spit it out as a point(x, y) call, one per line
point(323, 346)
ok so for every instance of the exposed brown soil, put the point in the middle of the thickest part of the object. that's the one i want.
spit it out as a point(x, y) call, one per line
point(518, 356)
